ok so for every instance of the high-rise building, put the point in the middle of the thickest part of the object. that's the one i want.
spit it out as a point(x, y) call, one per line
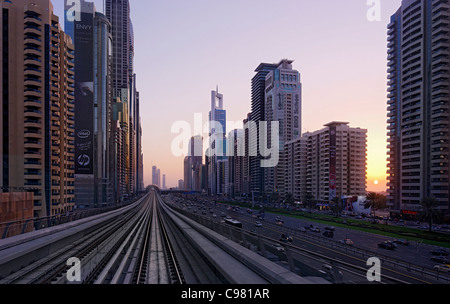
point(283, 104)
point(218, 161)
point(195, 158)
point(118, 13)
point(124, 83)
point(91, 34)
point(236, 155)
point(296, 168)
point(37, 112)
point(419, 105)
point(336, 162)
point(120, 148)
point(258, 91)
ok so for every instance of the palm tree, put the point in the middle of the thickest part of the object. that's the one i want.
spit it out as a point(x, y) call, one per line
point(429, 212)
point(371, 201)
point(376, 201)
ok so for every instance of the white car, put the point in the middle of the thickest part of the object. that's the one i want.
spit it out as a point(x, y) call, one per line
point(258, 224)
point(442, 268)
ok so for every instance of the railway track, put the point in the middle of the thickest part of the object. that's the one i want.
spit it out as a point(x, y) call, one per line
point(148, 243)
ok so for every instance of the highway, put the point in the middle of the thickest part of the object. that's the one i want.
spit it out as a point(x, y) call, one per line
point(404, 265)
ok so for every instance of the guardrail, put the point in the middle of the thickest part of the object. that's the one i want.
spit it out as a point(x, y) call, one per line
point(19, 227)
point(263, 243)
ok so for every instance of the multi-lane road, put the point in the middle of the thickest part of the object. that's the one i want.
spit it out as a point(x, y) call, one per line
point(405, 264)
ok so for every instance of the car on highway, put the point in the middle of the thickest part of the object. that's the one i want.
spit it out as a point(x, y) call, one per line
point(440, 259)
point(386, 245)
point(330, 271)
point(347, 242)
point(328, 234)
point(401, 242)
point(315, 229)
point(439, 252)
point(392, 243)
point(258, 224)
point(286, 238)
point(442, 268)
point(278, 247)
point(302, 229)
point(330, 228)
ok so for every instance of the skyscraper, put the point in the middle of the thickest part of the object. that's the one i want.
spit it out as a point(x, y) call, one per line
point(418, 105)
point(218, 161)
point(37, 106)
point(124, 83)
point(92, 38)
point(283, 104)
point(258, 90)
point(118, 13)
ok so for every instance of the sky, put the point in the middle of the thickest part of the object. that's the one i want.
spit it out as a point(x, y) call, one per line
point(184, 49)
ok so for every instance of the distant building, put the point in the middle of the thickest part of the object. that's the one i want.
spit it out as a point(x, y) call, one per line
point(218, 161)
point(329, 163)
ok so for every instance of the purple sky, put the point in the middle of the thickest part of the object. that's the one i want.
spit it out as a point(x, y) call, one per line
point(185, 48)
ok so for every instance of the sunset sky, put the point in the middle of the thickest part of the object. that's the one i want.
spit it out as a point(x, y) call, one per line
point(184, 49)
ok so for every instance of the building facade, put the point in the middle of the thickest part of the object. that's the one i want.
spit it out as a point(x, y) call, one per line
point(37, 112)
point(283, 104)
point(124, 85)
point(93, 143)
point(257, 115)
point(336, 162)
point(418, 105)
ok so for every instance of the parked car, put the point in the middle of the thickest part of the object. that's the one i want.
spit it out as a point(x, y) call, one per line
point(439, 252)
point(442, 268)
point(286, 238)
point(386, 245)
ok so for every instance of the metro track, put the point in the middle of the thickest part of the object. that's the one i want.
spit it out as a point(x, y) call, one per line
point(146, 243)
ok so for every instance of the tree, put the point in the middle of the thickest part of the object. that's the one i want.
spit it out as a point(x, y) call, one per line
point(309, 201)
point(336, 206)
point(375, 201)
point(429, 212)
